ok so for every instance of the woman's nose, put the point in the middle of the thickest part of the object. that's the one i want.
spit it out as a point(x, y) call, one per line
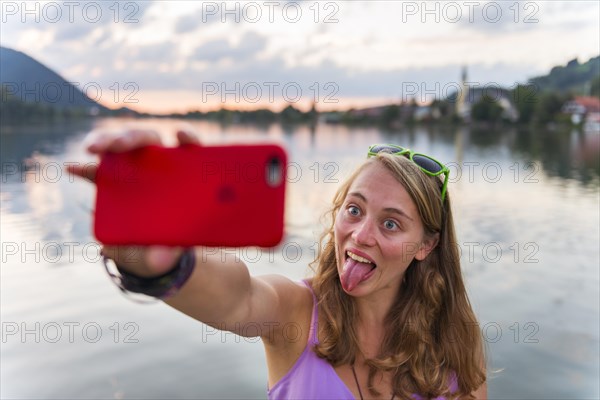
point(364, 233)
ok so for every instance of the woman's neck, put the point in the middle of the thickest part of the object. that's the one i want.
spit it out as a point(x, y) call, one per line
point(370, 325)
point(374, 308)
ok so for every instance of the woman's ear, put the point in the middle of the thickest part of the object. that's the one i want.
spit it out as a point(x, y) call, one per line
point(427, 245)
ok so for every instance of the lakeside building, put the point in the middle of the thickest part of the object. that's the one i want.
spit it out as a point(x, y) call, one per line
point(471, 93)
point(582, 109)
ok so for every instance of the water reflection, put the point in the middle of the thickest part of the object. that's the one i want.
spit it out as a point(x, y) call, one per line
point(569, 155)
point(20, 142)
point(565, 154)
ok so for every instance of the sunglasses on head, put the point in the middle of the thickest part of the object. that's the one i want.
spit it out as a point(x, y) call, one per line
point(427, 164)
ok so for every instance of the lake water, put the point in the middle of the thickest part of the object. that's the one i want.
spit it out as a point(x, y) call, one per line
point(527, 213)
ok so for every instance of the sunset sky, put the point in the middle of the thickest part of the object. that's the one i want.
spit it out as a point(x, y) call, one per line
point(164, 56)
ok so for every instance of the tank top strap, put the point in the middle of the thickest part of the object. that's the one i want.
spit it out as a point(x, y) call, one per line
point(313, 337)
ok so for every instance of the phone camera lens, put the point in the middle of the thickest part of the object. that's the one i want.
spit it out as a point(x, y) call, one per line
point(274, 172)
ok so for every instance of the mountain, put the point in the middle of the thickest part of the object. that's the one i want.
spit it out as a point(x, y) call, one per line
point(573, 78)
point(24, 79)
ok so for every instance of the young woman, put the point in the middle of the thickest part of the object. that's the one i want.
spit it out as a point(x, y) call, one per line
point(386, 314)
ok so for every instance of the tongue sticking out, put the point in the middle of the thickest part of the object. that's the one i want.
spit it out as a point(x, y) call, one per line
point(354, 272)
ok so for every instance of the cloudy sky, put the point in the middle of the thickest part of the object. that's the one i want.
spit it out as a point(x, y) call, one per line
point(165, 56)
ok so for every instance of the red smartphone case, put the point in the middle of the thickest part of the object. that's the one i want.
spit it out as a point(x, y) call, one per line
point(228, 196)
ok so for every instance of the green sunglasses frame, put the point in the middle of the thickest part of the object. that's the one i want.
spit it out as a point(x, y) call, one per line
point(403, 151)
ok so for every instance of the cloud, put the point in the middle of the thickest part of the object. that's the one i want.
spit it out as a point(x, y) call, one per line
point(191, 22)
point(500, 17)
point(187, 23)
point(331, 78)
point(73, 32)
point(74, 20)
point(160, 52)
point(214, 51)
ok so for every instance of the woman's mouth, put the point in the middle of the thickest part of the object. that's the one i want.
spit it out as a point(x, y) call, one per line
point(356, 269)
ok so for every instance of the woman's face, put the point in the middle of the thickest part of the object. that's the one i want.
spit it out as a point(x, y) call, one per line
point(378, 232)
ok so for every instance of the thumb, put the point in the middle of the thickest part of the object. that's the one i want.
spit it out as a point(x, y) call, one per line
point(87, 171)
point(187, 137)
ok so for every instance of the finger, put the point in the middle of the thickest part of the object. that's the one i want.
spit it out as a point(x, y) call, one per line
point(87, 171)
point(97, 142)
point(186, 137)
point(133, 139)
point(143, 261)
point(161, 259)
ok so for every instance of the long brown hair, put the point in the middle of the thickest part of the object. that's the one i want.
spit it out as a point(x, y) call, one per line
point(432, 335)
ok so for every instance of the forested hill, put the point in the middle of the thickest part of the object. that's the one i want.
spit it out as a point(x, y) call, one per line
point(26, 80)
point(575, 78)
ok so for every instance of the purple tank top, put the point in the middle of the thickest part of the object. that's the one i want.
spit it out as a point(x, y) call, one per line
point(312, 377)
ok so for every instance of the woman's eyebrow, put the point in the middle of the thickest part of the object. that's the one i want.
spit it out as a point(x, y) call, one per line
point(359, 195)
point(397, 211)
point(387, 209)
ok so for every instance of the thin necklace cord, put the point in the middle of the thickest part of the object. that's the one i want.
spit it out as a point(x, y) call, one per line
point(358, 384)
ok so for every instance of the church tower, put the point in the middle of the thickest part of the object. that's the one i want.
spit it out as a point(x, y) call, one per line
point(463, 106)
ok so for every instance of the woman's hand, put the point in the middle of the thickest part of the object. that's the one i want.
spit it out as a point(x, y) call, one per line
point(142, 261)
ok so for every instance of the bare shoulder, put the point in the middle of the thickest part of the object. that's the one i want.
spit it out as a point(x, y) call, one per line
point(288, 293)
point(289, 340)
point(294, 302)
point(283, 283)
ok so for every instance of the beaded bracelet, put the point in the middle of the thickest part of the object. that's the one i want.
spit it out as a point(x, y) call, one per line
point(160, 287)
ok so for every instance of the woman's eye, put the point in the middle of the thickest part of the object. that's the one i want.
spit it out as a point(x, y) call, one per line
point(390, 224)
point(353, 210)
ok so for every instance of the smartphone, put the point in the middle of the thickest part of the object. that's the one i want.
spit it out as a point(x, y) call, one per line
point(192, 195)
